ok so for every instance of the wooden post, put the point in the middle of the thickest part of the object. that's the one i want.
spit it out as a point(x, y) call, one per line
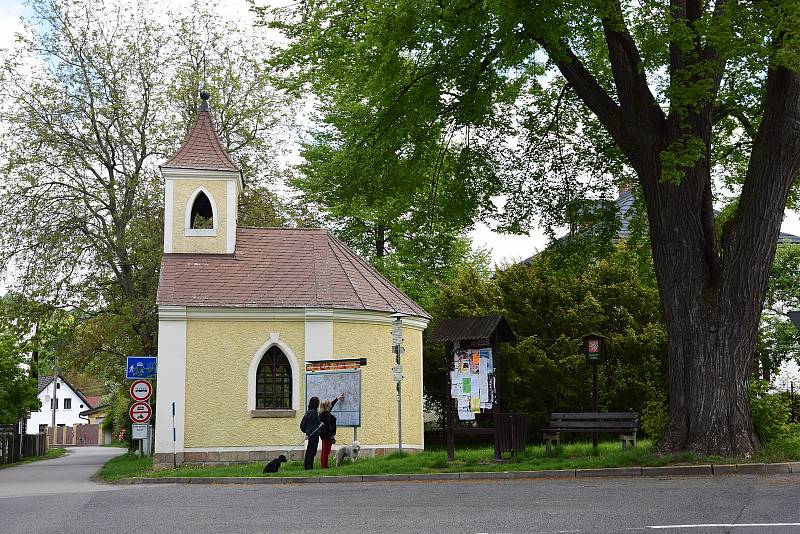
point(451, 442)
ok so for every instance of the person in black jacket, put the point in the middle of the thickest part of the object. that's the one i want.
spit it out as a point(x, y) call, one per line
point(328, 431)
point(310, 425)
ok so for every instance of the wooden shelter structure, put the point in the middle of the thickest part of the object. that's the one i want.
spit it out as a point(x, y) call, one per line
point(476, 333)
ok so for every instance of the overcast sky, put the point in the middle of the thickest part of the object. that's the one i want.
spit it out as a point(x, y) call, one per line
point(505, 248)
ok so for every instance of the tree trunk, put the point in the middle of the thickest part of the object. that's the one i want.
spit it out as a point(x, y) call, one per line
point(712, 298)
point(380, 241)
point(711, 339)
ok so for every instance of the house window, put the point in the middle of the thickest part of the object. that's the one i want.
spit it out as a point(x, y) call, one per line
point(67, 404)
point(202, 215)
point(51, 404)
point(274, 381)
point(42, 429)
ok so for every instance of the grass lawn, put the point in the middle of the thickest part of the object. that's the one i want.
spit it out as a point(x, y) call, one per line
point(570, 456)
point(55, 452)
point(126, 465)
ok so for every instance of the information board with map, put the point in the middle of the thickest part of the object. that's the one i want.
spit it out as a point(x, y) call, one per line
point(330, 385)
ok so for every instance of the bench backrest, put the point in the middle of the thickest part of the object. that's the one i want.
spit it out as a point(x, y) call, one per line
point(614, 420)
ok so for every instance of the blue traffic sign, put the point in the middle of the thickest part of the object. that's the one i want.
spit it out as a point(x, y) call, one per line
point(141, 367)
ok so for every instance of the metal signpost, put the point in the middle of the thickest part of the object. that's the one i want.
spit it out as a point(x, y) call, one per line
point(140, 431)
point(594, 348)
point(141, 390)
point(140, 412)
point(397, 371)
point(140, 367)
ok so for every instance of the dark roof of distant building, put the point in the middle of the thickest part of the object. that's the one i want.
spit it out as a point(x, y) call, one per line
point(625, 203)
point(281, 268)
point(96, 409)
point(202, 149)
point(625, 216)
point(464, 328)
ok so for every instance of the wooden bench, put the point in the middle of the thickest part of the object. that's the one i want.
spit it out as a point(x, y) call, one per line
point(623, 423)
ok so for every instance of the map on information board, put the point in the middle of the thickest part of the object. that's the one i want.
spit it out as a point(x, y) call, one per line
point(329, 385)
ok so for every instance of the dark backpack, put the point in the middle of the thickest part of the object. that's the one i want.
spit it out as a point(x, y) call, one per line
point(303, 423)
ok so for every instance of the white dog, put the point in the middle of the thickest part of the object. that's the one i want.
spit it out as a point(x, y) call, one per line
point(350, 451)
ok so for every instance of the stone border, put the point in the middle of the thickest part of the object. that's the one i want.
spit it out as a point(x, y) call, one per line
point(667, 471)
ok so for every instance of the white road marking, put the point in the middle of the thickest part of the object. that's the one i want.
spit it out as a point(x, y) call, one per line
point(724, 525)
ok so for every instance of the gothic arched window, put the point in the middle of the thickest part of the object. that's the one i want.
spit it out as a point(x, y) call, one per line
point(202, 214)
point(274, 381)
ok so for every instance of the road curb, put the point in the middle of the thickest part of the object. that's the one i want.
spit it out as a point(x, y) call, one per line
point(626, 472)
point(678, 470)
point(609, 472)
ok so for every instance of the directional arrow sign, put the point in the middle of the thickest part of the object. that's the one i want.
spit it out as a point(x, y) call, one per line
point(140, 412)
point(141, 390)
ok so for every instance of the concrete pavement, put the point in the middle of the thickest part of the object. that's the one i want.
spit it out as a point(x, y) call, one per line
point(69, 474)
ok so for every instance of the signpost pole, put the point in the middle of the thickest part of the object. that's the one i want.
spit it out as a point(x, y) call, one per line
point(397, 342)
point(595, 401)
point(451, 442)
point(174, 446)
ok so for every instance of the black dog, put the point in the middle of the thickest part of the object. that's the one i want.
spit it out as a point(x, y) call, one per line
point(274, 465)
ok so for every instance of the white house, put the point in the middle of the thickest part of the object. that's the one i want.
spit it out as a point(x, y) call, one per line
point(70, 402)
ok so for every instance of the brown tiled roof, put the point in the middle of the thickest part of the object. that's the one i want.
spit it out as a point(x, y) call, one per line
point(202, 148)
point(92, 401)
point(281, 268)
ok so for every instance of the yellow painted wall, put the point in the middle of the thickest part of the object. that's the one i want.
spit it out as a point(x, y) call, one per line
point(378, 392)
point(218, 357)
point(182, 192)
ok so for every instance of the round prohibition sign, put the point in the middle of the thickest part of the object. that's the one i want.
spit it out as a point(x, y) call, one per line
point(141, 390)
point(140, 412)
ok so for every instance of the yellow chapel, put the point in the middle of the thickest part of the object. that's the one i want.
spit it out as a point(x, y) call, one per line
point(253, 321)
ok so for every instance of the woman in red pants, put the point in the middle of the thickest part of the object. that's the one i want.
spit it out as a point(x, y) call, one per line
point(328, 431)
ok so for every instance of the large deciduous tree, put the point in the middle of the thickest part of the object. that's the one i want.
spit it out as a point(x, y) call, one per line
point(677, 95)
point(92, 99)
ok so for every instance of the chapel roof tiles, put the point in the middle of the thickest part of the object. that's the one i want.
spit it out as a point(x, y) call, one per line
point(202, 148)
point(281, 268)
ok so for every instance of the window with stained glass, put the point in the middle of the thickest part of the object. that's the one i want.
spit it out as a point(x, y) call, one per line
point(274, 381)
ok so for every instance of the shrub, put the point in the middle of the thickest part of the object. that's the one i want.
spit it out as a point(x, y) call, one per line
point(770, 412)
point(654, 418)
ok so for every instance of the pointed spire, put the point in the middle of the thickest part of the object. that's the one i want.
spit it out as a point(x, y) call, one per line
point(202, 149)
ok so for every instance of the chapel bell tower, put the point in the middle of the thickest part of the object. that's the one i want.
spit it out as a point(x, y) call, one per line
point(201, 192)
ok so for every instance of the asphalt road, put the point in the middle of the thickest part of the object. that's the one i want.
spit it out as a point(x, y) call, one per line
point(69, 474)
point(740, 505)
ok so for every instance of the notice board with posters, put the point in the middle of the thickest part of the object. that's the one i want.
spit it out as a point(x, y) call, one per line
point(472, 381)
point(329, 383)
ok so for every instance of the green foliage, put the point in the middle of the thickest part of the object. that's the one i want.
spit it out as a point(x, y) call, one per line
point(551, 309)
point(94, 98)
point(117, 420)
point(654, 418)
point(770, 412)
point(778, 339)
point(18, 393)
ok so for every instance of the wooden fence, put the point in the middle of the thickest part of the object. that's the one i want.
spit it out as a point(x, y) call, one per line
point(14, 446)
point(76, 435)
